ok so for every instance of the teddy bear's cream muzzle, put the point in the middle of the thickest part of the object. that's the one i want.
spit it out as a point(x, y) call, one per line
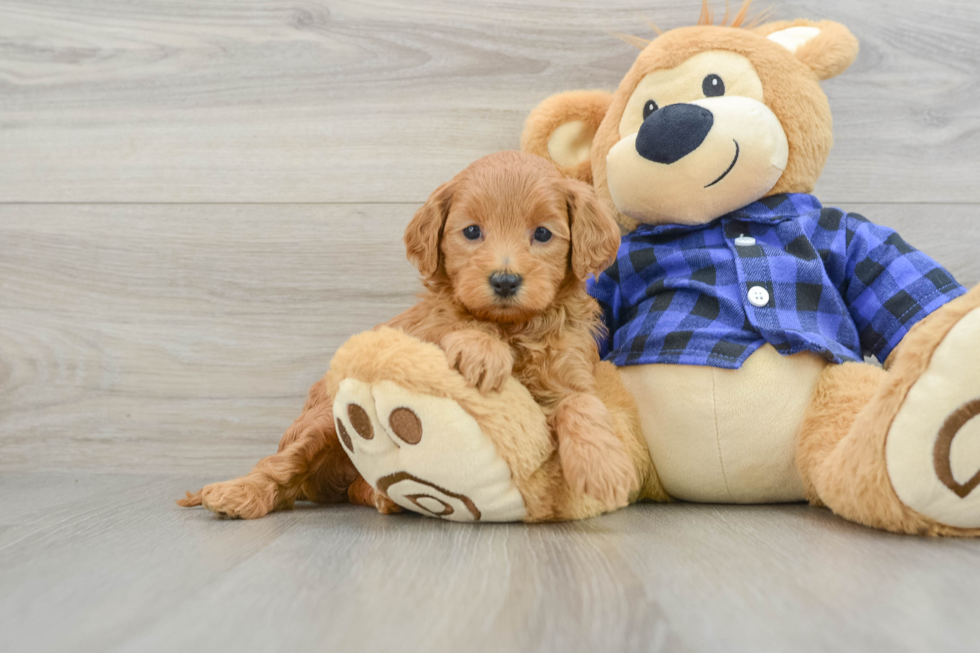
point(739, 160)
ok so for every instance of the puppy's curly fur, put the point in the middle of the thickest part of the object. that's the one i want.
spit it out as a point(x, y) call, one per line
point(506, 214)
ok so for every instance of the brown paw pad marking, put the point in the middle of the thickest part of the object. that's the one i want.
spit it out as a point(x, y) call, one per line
point(360, 421)
point(944, 444)
point(406, 425)
point(344, 435)
point(439, 503)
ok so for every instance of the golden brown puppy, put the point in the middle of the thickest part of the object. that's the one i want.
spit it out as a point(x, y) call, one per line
point(503, 249)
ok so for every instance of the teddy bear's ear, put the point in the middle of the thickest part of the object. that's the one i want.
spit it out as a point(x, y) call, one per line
point(424, 232)
point(825, 47)
point(561, 130)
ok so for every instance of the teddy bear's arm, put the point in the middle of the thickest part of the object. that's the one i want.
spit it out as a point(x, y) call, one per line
point(887, 284)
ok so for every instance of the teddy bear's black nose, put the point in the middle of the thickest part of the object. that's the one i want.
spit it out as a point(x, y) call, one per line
point(505, 284)
point(672, 132)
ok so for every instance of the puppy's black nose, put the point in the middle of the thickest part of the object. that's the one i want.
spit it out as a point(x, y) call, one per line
point(671, 133)
point(505, 284)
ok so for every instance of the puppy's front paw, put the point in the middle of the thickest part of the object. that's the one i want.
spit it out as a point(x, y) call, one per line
point(242, 498)
point(484, 361)
point(597, 467)
point(594, 461)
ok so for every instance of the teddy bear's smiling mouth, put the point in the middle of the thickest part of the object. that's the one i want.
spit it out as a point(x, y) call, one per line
point(725, 174)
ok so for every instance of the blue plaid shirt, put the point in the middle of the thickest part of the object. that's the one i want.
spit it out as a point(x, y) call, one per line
point(838, 286)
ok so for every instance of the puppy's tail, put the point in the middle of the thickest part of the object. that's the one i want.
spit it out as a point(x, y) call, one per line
point(190, 500)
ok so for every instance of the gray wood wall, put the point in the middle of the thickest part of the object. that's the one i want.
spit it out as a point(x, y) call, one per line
point(200, 199)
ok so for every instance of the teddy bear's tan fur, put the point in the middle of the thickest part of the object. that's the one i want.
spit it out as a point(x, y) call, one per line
point(846, 422)
point(790, 85)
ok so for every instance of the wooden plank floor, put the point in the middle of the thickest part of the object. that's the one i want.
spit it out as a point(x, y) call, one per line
point(108, 563)
point(201, 199)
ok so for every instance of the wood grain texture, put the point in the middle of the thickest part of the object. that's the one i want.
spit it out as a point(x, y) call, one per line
point(108, 563)
point(184, 337)
point(201, 199)
point(144, 333)
point(356, 100)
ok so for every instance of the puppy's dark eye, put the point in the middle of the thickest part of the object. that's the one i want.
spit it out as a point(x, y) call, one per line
point(712, 86)
point(649, 108)
point(472, 232)
point(542, 235)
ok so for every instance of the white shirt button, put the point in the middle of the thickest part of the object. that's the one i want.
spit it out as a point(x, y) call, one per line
point(744, 241)
point(758, 296)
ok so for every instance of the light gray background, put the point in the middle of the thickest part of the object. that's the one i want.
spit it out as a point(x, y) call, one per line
point(200, 200)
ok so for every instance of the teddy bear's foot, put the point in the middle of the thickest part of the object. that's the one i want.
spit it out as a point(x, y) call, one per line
point(933, 446)
point(425, 453)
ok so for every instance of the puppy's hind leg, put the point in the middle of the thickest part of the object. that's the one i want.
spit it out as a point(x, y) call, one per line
point(310, 464)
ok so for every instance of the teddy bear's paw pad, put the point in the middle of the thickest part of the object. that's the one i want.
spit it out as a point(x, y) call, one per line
point(357, 422)
point(933, 446)
point(425, 453)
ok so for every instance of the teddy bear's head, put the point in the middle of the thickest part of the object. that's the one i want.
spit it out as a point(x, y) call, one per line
point(708, 119)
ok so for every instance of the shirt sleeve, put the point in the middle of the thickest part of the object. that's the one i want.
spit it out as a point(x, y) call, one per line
point(605, 290)
point(889, 285)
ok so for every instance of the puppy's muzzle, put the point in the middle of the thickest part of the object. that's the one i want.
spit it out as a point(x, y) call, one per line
point(505, 284)
point(672, 132)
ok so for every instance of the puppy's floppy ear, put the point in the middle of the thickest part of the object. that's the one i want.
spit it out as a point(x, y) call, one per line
point(595, 234)
point(561, 130)
point(825, 47)
point(424, 232)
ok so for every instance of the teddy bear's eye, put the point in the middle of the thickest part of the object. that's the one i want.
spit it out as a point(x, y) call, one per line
point(649, 108)
point(712, 86)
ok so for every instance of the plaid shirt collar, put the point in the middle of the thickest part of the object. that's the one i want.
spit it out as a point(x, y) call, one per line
point(768, 210)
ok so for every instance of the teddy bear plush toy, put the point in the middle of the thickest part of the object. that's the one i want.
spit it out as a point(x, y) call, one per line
point(739, 310)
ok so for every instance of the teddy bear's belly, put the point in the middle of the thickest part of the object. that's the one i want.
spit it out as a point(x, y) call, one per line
point(726, 436)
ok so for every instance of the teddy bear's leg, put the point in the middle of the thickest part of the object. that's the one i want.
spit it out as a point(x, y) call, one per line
point(900, 450)
point(421, 436)
point(833, 459)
